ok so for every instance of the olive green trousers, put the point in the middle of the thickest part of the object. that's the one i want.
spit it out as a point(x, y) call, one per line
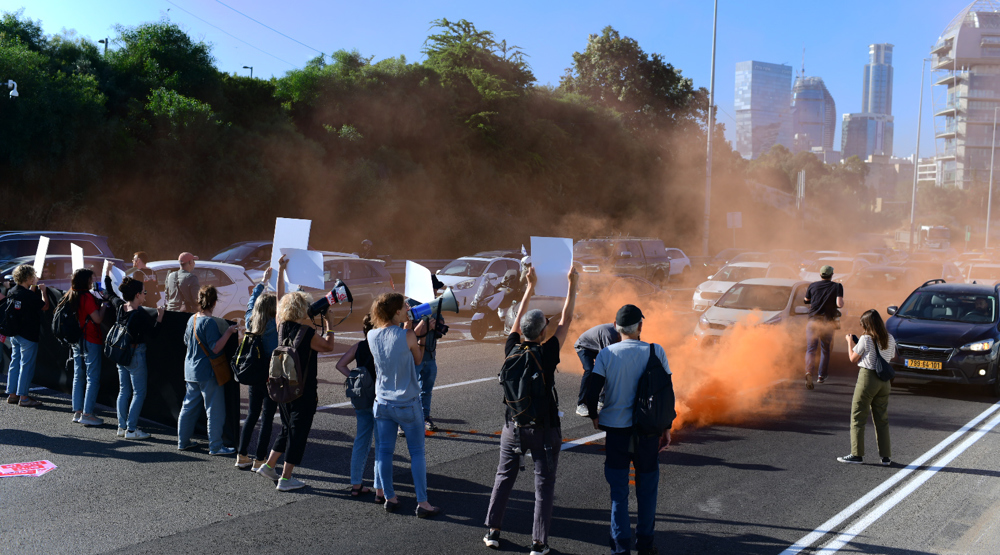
point(871, 395)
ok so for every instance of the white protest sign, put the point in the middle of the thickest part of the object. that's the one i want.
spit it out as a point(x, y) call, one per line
point(418, 283)
point(305, 267)
point(289, 233)
point(76, 253)
point(43, 249)
point(116, 276)
point(552, 258)
point(33, 468)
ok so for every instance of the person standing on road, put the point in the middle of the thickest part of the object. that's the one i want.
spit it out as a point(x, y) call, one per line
point(427, 372)
point(871, 394)
point(543, 441)
point(29, 300)
point(181, 286)
point(395, 351)
point(203, 339)
point(361, 354)
point(824, 298)
point(87, 353)
point(262, 309)
point(587, 346)
point(616, 372)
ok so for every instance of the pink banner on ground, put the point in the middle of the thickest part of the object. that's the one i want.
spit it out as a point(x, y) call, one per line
point(34, 468)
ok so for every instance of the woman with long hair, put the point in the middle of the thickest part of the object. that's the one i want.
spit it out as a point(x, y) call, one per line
point(871, 394)
point(396, 350)
point(87, 354)
point(261, 313)
point(204, 339)
point(360, 353)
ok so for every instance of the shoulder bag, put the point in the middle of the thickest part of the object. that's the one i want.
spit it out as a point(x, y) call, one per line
point(219, 364)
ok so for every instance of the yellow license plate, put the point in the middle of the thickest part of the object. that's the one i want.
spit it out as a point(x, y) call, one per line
point(924, 364)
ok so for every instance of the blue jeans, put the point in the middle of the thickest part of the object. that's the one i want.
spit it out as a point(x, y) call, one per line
point(427, 374)
point(23, 354)
point(819, 335)
point(208, 392)
point(132, 380)
point(587, 359)
point(362, 443)
point(388, 418)
point(647, 481)
point(86, 375)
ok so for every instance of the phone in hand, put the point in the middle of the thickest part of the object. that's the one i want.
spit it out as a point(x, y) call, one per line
point(854, 338)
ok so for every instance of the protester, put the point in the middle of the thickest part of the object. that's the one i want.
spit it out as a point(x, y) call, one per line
point(543, 441)
point(397, 397)
point(204, 340)
point(260, 317)
point(30, 300)
point(297, 416)
point(87, 353)
point(824, 297)
point(367, 249)
point(141, 272)
point(181, 287)
point(617, 370)
point(427, 372)
point(360, 353)
point(132, 378)
point(871, 394)
point(587, 346)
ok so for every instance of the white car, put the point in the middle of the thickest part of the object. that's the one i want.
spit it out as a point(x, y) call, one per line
point(843, 267)
point(778, 301)
point(982, 273)
point(680, 264)
point(708, 292)
point(464, 275)
point(231, 282)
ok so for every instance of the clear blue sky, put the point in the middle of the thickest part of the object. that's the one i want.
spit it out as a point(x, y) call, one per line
point(835, 35)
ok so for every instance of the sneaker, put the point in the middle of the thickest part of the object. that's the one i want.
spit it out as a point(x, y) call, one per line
point(121, 432)
point(809, 381)
point(256, 465)
point(581, 410)
point(29, 402)
point(288, 484)
point(851, 459)
point(400, 433)
point(539, 548)
point(268, 472)
point(77, 417)
point(223, 451)
point(91, 421)
point(189, 446)
point(492, 537)
point(821, 380)
point(243, 461)
point(12, 399)
point(886, 461)
point(136, 434)
point(430, 426)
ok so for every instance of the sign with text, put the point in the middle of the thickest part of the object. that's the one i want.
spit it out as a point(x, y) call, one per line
point(33, 468)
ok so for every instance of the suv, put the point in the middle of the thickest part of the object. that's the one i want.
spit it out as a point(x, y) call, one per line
point(14, 244)
point(644, 257)
point(948, 332)
point(366, 278)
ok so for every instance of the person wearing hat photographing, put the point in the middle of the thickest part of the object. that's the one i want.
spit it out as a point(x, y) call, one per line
point(824, 298)
point(617, 370)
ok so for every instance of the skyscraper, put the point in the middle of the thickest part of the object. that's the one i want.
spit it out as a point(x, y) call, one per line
point(870, 131)
point(814, 115)
point(763, 92)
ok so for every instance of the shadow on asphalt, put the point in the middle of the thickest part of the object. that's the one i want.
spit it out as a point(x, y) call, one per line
point(84, 447)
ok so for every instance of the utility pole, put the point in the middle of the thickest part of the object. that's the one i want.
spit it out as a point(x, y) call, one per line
point(989, 202)
point(711, 129)
point(916, 155)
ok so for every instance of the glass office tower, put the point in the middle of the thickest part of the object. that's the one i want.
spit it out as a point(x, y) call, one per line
point(763, 92)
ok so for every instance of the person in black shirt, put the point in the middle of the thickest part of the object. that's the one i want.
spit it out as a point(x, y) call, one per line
point(360, 353)
point(824, 298)
point(545, 441)
point(29, 300)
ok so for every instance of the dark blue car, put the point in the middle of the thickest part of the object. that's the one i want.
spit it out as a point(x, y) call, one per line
point(948, 332)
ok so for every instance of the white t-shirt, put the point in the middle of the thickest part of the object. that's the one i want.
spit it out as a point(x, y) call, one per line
point(866, 348)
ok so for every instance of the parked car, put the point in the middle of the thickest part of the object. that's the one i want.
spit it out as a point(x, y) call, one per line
point(948, 332)
point(722, 258)
point(877, 287)
point(508, 253)
point(874, 258)
point(928, 269)
point(751, 257)
point(15, 244)
point(58, 269)
point(779, 302)
point(230, 280)
point(464, 275)
point(709, 291)
point(366, 278)
point(255, 256)
point(983, 272)
point(643, 257)
point(787, 257)
point(843, 267)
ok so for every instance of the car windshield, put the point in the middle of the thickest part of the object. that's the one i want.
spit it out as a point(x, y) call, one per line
point(951, 307)
point(234, 254)
point(464, 267)
point(939, 234)
point(879, 280)
point(816, 266)
point(749, 297)
point(985, 273)
point(752, 257)
point(739, 273)
point(601, 249)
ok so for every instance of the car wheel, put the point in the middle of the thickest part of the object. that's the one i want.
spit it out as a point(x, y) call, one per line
point(479, 329)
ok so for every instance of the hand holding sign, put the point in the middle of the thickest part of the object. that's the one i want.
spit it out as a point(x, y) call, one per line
point(552, 259)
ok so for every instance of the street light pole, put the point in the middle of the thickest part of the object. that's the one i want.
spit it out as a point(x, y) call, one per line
point(711, 128)
point(251, 70)
point(989, 201)
point(916, 155)
point(104, 41)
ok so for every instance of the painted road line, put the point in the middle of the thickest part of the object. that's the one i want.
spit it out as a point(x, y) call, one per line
point(446, 386)
point(582, 441)
point(838, 519)
point(910, 487)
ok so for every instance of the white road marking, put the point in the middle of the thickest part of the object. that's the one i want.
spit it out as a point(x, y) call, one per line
point(446, 386)
point(838, 519)
point(582, 441)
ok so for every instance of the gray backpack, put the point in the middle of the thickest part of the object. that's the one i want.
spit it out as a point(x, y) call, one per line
point(286, 379)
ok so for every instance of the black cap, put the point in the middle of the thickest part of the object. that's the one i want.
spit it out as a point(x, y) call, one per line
point(628, 315)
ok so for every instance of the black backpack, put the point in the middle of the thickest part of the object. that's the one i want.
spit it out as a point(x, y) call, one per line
point(118, 345)
point(653, 412)
point(10, 317)
point(525, 391)
point(66, 324)
point(250, 365)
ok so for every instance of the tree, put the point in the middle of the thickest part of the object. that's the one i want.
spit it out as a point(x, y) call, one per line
point(462, 54)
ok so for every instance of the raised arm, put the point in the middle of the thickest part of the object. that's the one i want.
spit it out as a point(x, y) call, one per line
point(347, 359)
point(323, 343)
point(282, 265)
point(416, 339)
point(522, 308)
point(567, 313)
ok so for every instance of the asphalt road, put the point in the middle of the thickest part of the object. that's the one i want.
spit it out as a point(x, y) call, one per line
point(759, 487)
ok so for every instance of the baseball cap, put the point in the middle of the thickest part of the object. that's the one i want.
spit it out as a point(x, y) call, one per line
point(628, 315)
point(826, 271)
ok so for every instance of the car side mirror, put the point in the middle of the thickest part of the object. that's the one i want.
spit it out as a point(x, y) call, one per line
point(892, 310)
point(802, 310)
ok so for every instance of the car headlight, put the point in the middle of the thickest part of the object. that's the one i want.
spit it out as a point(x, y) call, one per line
point(979, 346)
point(467, 284)
point(703, 322)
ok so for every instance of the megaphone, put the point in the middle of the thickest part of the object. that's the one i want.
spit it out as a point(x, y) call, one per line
point(446, 301)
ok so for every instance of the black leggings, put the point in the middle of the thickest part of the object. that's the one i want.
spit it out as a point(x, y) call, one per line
point(296, 421)
point(258, 399)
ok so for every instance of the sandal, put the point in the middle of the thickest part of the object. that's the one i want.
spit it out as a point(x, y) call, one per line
point(380, 499)
point(359, 491)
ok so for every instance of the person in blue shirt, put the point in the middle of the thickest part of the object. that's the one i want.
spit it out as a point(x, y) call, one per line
point(617, 370)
